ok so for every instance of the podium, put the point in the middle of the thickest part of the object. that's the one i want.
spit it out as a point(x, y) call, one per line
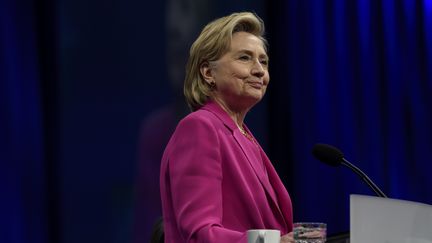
point(383, 220)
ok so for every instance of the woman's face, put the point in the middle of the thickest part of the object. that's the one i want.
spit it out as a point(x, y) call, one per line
point(241, 75)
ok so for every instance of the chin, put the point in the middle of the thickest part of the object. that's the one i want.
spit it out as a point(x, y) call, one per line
point(257, 95)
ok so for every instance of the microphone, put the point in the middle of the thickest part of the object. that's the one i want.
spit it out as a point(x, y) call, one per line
point(334, 157)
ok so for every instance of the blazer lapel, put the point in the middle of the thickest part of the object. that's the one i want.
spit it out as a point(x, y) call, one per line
point(257, 166)
point(260, 170)
point(284, 210)
point(242, 141)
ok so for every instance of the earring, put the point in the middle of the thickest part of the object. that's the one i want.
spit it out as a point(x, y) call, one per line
point(212, 84)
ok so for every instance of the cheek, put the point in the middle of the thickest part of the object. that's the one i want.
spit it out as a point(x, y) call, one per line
point(266, 79)
point(240, 72)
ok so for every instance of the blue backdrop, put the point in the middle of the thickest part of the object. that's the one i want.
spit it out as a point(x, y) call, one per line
point(358, 75)
point(23, 203)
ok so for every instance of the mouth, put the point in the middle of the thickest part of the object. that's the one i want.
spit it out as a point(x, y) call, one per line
point(256, 85)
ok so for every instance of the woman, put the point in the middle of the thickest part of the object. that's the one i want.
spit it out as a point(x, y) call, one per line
point(216, 181)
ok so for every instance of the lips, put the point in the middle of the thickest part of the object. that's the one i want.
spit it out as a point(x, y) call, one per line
point(255, 84)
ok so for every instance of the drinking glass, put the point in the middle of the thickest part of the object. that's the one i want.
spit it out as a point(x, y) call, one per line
point(310, 232)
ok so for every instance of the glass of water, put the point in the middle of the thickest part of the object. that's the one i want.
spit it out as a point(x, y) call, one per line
point(310, 232)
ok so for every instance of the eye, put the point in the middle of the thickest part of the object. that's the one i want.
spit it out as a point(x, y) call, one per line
point(264, 62)
point(244, 57)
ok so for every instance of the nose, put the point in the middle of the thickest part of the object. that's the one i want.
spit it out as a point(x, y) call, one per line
point(258, 69)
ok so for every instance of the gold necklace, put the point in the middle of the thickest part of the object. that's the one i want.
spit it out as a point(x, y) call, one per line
point(246, 134)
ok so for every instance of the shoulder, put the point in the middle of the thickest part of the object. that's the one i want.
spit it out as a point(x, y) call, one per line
point(200, 125)
point(199, 119)
point(197, 131)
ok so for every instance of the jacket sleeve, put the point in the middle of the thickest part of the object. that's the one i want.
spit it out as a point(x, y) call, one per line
point(196, 183)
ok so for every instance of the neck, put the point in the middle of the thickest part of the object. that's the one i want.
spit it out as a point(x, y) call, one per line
point(235, 113)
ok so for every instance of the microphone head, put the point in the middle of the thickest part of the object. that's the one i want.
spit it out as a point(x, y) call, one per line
point(328, 154)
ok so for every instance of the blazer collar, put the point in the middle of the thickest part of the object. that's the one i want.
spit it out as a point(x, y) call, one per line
point(219, 112)
point(216, 109)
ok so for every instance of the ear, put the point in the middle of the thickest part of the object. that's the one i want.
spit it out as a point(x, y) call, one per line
point(206, 72)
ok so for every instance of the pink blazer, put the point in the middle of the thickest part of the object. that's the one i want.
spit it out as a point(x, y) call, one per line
point(214, 187)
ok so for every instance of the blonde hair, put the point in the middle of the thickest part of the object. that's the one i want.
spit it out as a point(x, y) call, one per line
point(213, 42)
